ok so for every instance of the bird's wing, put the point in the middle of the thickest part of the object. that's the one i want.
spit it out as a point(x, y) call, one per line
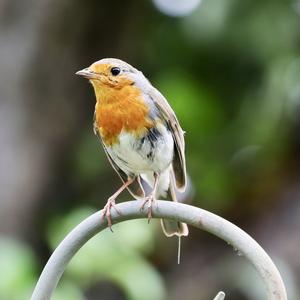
point(179, 167)
point(136, 187)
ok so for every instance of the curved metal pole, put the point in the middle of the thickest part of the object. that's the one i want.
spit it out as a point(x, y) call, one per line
point(194, 216)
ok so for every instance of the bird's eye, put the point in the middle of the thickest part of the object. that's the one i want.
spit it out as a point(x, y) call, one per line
point(115, 71)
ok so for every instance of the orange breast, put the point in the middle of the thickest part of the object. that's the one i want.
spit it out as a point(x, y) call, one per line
point(121, 109)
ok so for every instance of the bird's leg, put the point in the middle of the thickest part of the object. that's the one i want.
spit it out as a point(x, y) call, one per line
point(151, 197)
point(111, 202)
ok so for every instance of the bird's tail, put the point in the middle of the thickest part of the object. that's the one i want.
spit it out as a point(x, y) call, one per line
point(167, 189)
point(172, 227)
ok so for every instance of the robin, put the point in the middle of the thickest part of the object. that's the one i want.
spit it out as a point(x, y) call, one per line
point(140, 134)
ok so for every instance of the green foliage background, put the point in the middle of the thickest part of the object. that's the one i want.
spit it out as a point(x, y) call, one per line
point(231, 71)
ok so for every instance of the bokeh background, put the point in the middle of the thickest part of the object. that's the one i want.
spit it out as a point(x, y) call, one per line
point(231, 71)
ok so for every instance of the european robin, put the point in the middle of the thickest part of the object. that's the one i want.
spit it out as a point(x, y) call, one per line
point(140, 134)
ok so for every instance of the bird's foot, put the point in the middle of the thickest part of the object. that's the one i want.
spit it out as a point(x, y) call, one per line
point(149, 200)
point(106, 213)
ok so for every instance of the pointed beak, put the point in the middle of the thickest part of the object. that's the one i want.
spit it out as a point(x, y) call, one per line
point(86, 73)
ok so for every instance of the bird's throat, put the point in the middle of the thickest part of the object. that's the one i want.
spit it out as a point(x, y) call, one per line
point(121, 110)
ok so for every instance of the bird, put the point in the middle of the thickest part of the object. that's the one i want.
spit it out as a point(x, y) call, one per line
point(141, 136)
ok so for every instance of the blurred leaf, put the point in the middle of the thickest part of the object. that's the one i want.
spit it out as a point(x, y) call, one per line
point(18, 269)
point(67, 290)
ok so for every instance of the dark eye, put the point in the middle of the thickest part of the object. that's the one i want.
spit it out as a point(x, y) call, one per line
point(115, 71)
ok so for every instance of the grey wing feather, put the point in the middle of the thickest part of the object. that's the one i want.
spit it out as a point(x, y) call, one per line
point(179, 167)
point(136, 187)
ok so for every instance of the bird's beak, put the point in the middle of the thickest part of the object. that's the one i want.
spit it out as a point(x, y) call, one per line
point(87, 73)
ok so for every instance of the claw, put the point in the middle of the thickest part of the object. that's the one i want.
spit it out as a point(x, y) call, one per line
point(111, 203)
point(149, 199)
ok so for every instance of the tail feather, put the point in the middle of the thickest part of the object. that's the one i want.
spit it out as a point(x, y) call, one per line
point(167, 189)
point(174, 228)
point(171, 227)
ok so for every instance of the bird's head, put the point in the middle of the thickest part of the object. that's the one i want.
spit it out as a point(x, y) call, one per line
point(109, 74)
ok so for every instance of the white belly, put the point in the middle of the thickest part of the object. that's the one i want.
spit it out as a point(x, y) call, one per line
point(143, 156)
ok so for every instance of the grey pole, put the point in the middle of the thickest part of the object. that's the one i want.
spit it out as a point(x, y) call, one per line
point(197, 217)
